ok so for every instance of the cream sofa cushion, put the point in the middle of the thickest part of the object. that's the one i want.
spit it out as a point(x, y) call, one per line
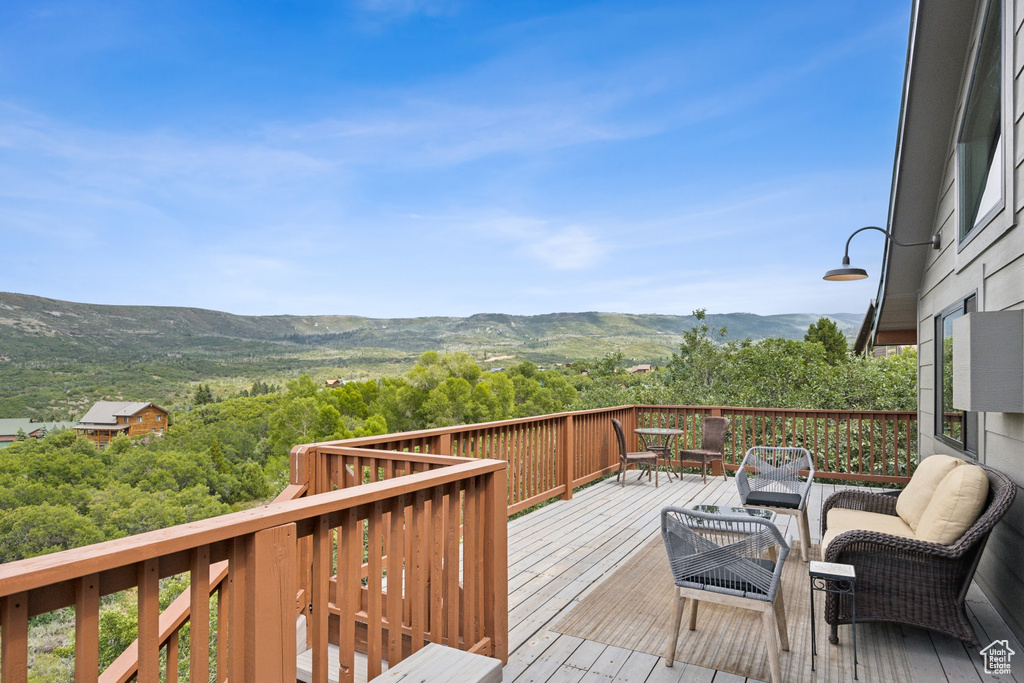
point(955, 506)
point(842, 519)
point(918, 494)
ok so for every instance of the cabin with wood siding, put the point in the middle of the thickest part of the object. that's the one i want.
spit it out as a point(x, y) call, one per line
point(959, 173)
point(107, 419)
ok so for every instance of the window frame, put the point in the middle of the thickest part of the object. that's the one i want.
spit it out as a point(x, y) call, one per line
point(982, 222)
point(968, 442)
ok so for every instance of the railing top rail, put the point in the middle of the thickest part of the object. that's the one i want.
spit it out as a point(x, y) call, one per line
point(439, 431)
point(803, 411)
point(36, 572)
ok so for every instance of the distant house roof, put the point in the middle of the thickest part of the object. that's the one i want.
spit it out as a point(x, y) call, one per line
point(105, 413)
point(333, 382)
point(643, 367)
point(9, 427)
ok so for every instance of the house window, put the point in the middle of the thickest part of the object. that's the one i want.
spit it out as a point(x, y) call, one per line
point(980, 145)
point(159, 418)
point(956, 427)
point(138, 419)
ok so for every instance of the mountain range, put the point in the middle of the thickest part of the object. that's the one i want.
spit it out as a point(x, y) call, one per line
point(52, 351)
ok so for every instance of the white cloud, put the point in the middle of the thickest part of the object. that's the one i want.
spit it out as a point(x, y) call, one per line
point(571, 248)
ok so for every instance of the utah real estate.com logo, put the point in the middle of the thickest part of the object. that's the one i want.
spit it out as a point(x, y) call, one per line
point(997, 657)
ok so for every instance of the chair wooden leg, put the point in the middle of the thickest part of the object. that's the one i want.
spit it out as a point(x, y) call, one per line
point(725, 474)
point(673, 636)
point(805, 534)
point(692, 625)
point(780, 618)
point(703, 470)
point(622, 473)
point(771, 636)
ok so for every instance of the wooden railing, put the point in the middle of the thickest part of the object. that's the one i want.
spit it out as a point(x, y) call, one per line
point(548, 455)
point(424, 511)
point(867, 445)
point(418, 556)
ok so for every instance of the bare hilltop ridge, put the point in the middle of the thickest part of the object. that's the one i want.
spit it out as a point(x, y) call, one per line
point(173, 328)
point(53, 350)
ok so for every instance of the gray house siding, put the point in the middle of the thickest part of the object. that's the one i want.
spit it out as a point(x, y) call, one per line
point(990, 265)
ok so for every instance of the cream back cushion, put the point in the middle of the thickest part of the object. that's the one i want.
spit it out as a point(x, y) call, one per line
point(929, 474)
point(957, 502)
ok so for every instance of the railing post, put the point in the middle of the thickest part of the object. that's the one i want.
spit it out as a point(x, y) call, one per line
point(297, 465)
point(270, 605)
point(444, 444)
point(14, 644)
point(567, 455)
point(496, 563)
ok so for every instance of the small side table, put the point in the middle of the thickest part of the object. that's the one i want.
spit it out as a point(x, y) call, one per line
point(830, 577)
point(660, 440)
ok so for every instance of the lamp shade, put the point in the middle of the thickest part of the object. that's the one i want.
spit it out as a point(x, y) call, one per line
point(846, 272)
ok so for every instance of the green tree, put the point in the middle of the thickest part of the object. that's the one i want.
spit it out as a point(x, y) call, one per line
point(252, 482)
point(700, 371)
point(45, 528)
point(608, 365)
point(203, 395)
point(827, 333)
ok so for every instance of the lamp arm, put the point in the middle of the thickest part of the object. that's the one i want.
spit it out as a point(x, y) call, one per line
point(935, 241)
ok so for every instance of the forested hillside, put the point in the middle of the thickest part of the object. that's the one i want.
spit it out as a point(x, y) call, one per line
point(58, 357)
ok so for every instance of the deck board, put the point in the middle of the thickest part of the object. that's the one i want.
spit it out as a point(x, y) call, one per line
point(561, 552)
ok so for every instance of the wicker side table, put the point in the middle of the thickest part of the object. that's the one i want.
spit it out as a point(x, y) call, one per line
point(830, 577)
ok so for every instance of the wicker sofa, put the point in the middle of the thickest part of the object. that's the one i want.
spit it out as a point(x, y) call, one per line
point(902, 577)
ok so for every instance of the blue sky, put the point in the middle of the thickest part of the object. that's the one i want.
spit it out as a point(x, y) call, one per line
point(447, 157)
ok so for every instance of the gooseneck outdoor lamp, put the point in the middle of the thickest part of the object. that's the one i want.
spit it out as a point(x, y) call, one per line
point(846, 272)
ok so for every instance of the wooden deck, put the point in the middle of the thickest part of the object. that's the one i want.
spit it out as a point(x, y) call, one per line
point(559, 553)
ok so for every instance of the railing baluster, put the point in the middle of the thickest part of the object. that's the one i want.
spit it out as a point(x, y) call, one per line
point(149, 621)
point(396, 554)
point(87, 628)
point(350, 559)
point(417, 574)
point(436, 563)
point(237, 578)
point(452, 548)
point(222, 632)
point(172, 658)
point(199, 615)
point(374, 617)
point(319, 587)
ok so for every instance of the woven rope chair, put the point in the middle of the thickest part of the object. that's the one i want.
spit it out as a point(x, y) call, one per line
point(712, 445)
point(646, 459)
point(907, 581)
point(729, 560)
point(773, 483)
